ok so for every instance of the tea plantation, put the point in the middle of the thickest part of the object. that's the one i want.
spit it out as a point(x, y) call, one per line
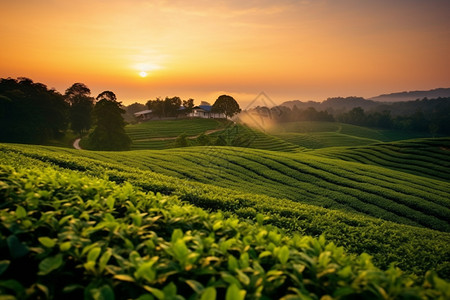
point(316, 135)
point(64, 234)
point(266, 220)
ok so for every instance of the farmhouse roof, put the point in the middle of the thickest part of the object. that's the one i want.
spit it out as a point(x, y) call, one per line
point(144, 112)
point(204, 107)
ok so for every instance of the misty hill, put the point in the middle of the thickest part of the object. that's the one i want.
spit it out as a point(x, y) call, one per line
point(412, 95)
point(335, 104)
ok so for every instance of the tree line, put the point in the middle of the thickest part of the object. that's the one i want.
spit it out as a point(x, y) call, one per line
point(422, 115)
point(174, 106)
point(32, 113)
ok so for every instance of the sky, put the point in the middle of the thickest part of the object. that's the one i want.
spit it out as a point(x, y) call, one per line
point(288, 49)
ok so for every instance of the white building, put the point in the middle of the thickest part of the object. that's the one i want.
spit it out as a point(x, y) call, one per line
point(204, 111)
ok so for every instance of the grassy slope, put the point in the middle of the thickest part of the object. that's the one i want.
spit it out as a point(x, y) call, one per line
point(301, 177)
point(144, 134)
point(315, 135)
point(149, 135)
point(91, 238)
point(244, 136)
point(425, 157)
point(416, 249)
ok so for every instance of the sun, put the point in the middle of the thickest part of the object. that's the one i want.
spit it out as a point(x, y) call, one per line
point(143, 74)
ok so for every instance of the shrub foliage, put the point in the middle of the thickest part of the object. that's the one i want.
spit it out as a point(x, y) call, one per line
point(85, 237)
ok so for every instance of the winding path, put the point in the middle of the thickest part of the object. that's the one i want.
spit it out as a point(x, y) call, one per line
point(175, 137)
point(76, 144)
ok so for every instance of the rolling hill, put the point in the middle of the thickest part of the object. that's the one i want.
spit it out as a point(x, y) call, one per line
point(296, 191)
point(316, 135)
point(161, 134)
point(412, 95)
point(291, 212)
point(80, 236)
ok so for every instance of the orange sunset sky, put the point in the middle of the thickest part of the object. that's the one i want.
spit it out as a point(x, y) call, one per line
point(306, 50)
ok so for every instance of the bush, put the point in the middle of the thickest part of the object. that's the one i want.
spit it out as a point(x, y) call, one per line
point(84, 237)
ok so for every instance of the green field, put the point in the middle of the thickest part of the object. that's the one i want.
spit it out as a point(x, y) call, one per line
point(315, 135)
point(153, 134)
point(254, 217)
point(426, 157)
point(160, 134)
point(296, 185)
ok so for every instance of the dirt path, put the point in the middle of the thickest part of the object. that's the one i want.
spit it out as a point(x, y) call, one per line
point(207, 132)
point(76, 144)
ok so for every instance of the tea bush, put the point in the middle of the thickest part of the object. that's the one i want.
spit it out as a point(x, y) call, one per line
point(413, 249)
point(64, 234)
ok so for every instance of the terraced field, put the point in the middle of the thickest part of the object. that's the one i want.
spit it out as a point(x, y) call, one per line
point(244, 136)
point(159, 134)
point(425, 157)
point(327, 182)
point(316, 135)
point(282, 186)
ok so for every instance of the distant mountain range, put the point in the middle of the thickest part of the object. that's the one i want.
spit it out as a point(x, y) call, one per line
point(413, 95)
point(342, 104)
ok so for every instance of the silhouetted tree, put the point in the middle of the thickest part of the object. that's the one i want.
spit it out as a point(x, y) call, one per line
point(30, 112)
point(203, 140)
point(109, 132)
point(131, 109)
point(181, 140)
point(81, 105)
point(169, 107)
point(188, 105)
point(227, 105)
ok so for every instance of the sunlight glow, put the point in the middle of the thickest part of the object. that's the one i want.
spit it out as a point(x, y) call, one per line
point(143, 74)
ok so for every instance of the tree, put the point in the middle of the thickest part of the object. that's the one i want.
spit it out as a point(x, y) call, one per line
point(169, 107)
point(157, 107)
point(30, 112)
point(181, 141)
point(226, 105)
point(172, 106)
point(131, 109)
point(188, 105)
point(81, 104)
point(109, 132)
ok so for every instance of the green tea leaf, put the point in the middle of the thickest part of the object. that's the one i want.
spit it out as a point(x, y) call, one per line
point(146, 271)
point(234, 293)
point(103, 293)
point(283, 255)
point(110, 202)
point(16, 248)
point(217, 225)
point(260, 219)
point(50, 264)
point(232, 263)
point(14, 285)
point(209, 294)
point(156, 292)
point(170, 291)
point(93, 254)
point(196, 286)
point(264, 254)
point(243, 277)
point(21, 212)
point(180, 250)
point(177, 234)
point(4, 264)
point(47, 242)
point(104, 260)
point(65, 246)
point(124, 277)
